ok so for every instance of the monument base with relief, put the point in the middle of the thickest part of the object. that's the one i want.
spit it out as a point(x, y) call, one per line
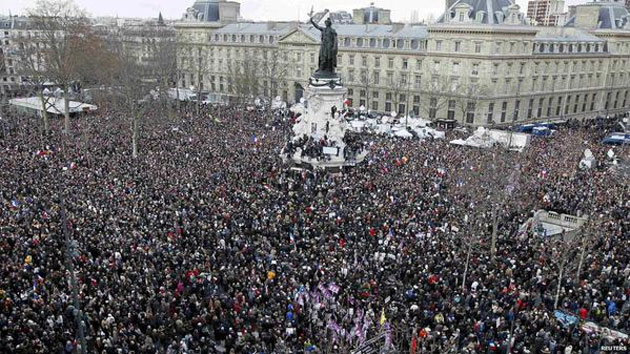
point(320, 135)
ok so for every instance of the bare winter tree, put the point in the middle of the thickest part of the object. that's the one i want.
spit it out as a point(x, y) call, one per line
point(164, 60)
point(468, 99)
point(491, 190)
point(244, 79)
point(273, 73)
point(366, 82)
point(470, 185)
point(586, 241)
point(61, 25)
point(561, 252)
point(32, 65)
point(401, 88)
point(133, 97)
point(439, 91)
point(194, 61)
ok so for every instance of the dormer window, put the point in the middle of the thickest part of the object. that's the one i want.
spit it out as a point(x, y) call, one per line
point(500, 16)
point(479, 16)
point(462, 13)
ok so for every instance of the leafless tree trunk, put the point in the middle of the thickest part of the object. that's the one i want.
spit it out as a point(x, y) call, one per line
point(561, 273)
point(66, 111)
point(44, 101)
point(63, 29)
point(582, 254)
point(495, 225)
point(468, 253)
point(134, 135)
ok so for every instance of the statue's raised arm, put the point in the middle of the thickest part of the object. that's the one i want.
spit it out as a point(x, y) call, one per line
point(316, 25)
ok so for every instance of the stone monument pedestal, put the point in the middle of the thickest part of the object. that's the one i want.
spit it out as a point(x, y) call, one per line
point(319, 134)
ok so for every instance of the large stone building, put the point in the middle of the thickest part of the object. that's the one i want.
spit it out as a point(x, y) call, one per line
point(138, 36)
point(12, 29)
point(480, 63)
point(142, 39)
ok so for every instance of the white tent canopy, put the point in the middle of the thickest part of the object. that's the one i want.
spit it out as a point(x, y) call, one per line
point(53, 105)
point(486, 138)
point(403, 133)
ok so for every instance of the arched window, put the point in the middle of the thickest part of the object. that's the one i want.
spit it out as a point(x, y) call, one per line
point(271, 39)
point(261, 39)
point(242, 38)
point(233, 38)
point(400, 44)
point(385, 43)
point(346, 42)
point(414, 44)
point(251, 38)
point(359, 42)
point(225, 37)
point(372, 42)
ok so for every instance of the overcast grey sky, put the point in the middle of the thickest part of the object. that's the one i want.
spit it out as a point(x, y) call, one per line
point(258, 10)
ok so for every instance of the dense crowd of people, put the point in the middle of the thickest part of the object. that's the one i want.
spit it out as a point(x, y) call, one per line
point(207, 243)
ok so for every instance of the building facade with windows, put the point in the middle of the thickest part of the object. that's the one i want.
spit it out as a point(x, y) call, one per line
point(481, 63)
point(12, 30)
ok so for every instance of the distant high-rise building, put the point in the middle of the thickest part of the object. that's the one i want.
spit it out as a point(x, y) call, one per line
point(546, 12)
point(372, 15)
point(414, 17)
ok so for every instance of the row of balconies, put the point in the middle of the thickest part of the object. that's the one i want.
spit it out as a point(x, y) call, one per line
point(569, 48)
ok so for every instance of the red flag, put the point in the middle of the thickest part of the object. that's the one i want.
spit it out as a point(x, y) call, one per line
point(414, 345)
